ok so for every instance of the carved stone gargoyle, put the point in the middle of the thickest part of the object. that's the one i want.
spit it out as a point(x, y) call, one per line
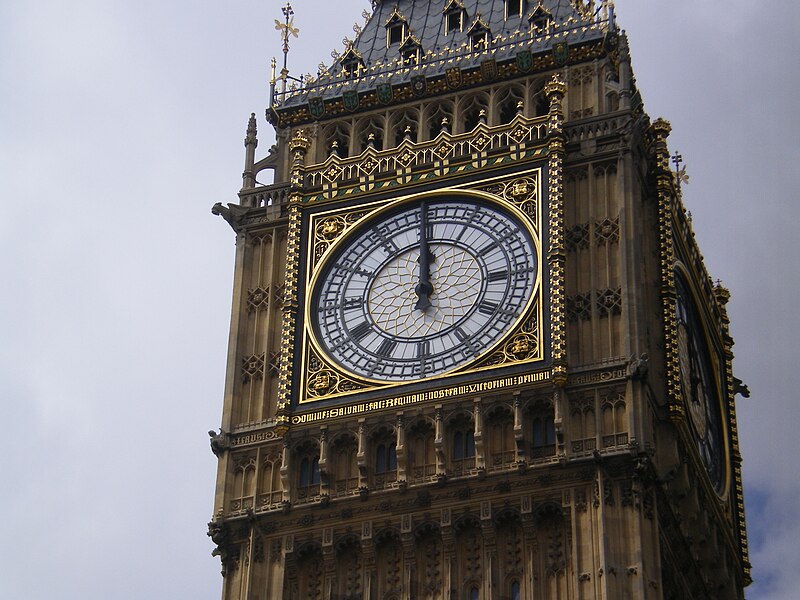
point(233, 214)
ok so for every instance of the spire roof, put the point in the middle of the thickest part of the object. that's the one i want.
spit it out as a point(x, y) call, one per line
point(573, 21)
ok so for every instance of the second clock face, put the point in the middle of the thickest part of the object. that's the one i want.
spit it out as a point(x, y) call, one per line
point(700, 387)
point(424, 289)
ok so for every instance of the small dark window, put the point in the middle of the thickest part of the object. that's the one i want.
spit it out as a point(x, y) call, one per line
point(385, 458)
point(544, 432)
point(411, 56)
point(474, 594)
point(515, 591)
point(480, 40)
point(454, 21)
point(513, 8)
point(309, 472)
point(395, 34)
point(463, 444)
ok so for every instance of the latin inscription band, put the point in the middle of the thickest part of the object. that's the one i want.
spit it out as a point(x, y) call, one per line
point(471, 388)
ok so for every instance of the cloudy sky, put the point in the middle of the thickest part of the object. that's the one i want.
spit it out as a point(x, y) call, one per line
point(121, 123)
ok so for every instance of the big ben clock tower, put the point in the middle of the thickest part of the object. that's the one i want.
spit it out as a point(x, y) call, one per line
point(474, 349)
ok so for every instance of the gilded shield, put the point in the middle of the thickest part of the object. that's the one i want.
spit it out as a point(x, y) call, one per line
point(524, 61)
point(350, 100)
point(453, 77)
point(489, 69)
point(561, 53)
point(419, 85)
point(385, 94)
point(316, 106)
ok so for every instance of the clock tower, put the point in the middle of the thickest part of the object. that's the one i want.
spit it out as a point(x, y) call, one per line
point(474, 350)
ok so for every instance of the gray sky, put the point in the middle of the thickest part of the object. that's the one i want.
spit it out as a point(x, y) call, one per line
point(122, 123)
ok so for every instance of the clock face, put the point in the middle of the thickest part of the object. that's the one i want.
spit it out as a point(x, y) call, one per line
point(424, 288)
point(701, 387)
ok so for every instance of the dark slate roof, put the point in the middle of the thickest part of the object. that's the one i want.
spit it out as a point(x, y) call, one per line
point(442, 50)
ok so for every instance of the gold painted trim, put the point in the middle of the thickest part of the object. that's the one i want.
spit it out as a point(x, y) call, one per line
point(353, 383)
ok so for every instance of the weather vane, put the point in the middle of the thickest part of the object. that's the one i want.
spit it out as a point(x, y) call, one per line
point(287, 30)
point(680, 171)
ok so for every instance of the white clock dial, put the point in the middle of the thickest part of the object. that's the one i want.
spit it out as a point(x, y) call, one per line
point(383, 313)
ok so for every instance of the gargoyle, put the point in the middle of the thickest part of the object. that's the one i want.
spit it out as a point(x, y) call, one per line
point(233, 214)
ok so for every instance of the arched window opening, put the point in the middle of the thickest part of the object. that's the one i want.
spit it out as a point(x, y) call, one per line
point(462, 444)
point(500, 425)
point(385, 458)
point(439, 118)
point(509, 105)
point(515, 591)
point(345, 467)
point(370, 134)
point(542, 105)
point(384, 451)
point(336, 141)
point(543, 431)
point(474, 111)
point(422, 459)
point(308, 477)
point(404, 125)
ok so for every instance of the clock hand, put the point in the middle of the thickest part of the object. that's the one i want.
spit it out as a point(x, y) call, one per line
point(424, 288)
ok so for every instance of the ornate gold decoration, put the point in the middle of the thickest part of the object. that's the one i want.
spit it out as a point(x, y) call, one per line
point(329, 229)
point(447, 154)
point(523, 345)
point(659, 131)
point(289, 306)
point(523, 192)
point(555, 91)
point(324, 380)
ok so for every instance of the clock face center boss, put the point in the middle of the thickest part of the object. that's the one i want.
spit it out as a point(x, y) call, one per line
point(424, 287)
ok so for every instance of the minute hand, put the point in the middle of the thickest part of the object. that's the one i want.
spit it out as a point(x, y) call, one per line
point(424, 288)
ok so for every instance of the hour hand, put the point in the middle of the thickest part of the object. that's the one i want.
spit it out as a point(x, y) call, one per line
point(424, 288)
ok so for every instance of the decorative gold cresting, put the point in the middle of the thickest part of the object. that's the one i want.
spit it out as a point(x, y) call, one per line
point(659, 131)
point(557, 255)
point(299, 145)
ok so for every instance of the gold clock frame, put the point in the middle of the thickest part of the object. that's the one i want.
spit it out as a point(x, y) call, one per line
point(521, 194)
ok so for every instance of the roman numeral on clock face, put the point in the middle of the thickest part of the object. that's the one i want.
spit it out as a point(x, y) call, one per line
point(487, 308)
point(360, 331)
point(497, 276)
point(386, 348)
